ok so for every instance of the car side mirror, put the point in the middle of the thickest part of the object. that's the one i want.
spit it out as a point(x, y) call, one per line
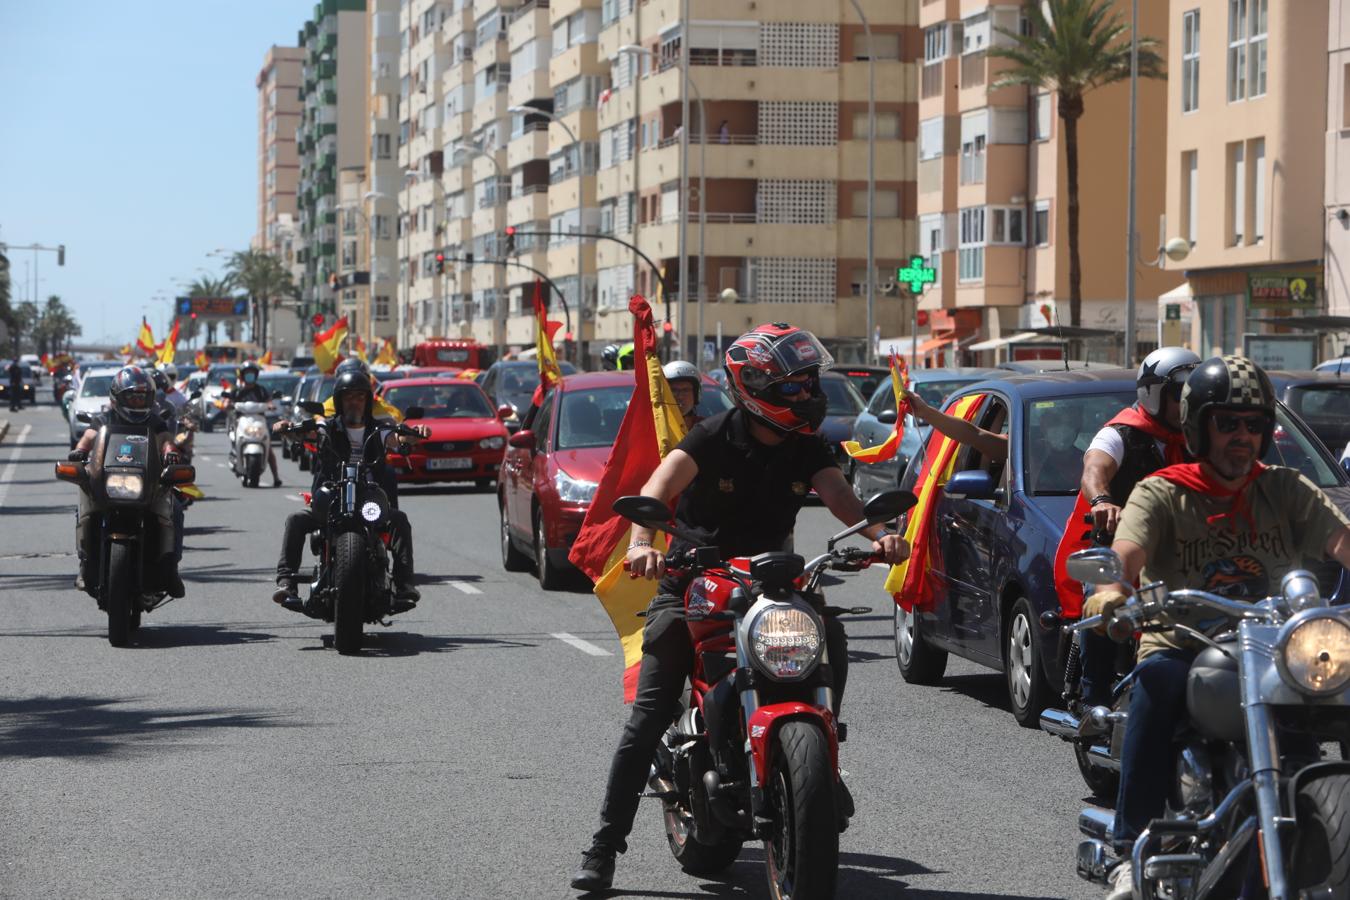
point(414, 412)
point(972, 485)
point(522, 440)
point(194, 395)
point(505, 411)
point(648, 512)
point(887, 416)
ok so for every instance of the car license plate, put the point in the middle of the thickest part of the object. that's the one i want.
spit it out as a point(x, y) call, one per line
point(450, 462)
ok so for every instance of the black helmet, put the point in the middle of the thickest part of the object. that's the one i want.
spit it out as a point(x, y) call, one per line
point(352, 364)
point(1224, 383)
point(161, 379)
point(349, 381)
point(246, 368)
point(132, 395)
point(609, 357)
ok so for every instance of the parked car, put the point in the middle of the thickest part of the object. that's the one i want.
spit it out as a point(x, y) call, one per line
point(876, 423)
point(865, 378)
point(384, 376)
point(843, 403)
point(28, 393)
point(998, 523)
point(1322, 400)
point(1339, 365)
point(511, 382)
point(552, 467)
point(467, 438)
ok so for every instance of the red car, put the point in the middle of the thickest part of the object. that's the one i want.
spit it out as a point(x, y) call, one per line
point(467, 435)
point(552, 467)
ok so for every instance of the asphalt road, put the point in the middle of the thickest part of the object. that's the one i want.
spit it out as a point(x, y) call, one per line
point(462, 755)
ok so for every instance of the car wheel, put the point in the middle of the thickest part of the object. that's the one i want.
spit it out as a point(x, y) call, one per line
point(550, 576)
point(1027, 687)
point(512, 559)
point(919, 661)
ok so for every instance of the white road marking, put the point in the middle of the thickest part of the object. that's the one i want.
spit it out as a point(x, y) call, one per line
point(203, 457)
point(220, 465)
point(296, 497)
point(464, 586)
point(13, 459)
point(584, 646)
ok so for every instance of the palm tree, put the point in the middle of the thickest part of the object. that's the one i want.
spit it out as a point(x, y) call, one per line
point(211, 287)
point(1073, 46)
point(57, 326)
point(265, 279)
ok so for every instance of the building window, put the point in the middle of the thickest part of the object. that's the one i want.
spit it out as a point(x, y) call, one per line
point(382, 148)
point(1040, 235)
point(1190, 61)
point(888, 126)
point(887, 204)
point(1256, 54)
point(930, 138)
point(1190, 188)
point(971, 255)
point(972, 159)
point(930, 240)
point(1258, 189)
point(1247, 31)
point(1008, 225)
point(1237, 194)
point(1043, 117)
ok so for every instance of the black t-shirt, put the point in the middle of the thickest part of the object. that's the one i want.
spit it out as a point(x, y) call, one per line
point(746, 495)
point(109, 416)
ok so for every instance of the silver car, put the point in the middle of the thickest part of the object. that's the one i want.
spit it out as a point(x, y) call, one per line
point(91, 395)
point(875, 423)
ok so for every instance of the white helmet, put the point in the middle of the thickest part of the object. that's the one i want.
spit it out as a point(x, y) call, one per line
point(171, 370)
point(1164, 367)
point(678, 369)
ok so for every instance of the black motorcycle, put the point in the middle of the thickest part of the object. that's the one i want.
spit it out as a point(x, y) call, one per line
point(352, 584)
point(1253, 801)
point(122, 475)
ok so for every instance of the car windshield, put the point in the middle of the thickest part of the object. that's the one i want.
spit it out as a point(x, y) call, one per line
point(1056, 434)
point(96, 385)
point(285, 384)
point(712, 400)
point(1319, 404)
point(842, 398)
point(591, 418)
point(441, 401)
point(325, 388)
point(517, 383)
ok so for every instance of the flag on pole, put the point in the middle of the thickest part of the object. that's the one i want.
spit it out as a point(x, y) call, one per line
point(202, 362)
point(328, 346)
point(652, 427)
point(387, 356)
point(549, 372)
point(360, 347)
point(170, 346)
point(886, 449)
point(265, 359)
point(125, 351)
point(145, 340)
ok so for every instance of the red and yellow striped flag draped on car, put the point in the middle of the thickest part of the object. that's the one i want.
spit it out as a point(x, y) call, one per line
point(328, 346)
point(886, 449)
point(908, 582)
point(652, 426)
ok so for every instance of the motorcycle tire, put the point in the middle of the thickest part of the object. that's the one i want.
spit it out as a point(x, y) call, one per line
point(1320, 862)
point(512, 559)
point(801, 858)
point(919, 661)
point(119, 592)
point(349, 580)
point(1028, 691)
point(1103, 783)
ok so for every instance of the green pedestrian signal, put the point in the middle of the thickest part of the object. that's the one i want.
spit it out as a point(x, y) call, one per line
point(918, 275)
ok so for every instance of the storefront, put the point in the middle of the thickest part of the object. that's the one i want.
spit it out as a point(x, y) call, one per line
point(1240, 311)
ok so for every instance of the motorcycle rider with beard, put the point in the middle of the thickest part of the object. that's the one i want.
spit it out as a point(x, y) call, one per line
point(348, 432)
point(248, 390)
point(1226, 524)
point(740, 476)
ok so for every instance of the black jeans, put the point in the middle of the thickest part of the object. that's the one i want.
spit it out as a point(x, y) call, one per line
point(667, 660)
point(300, 524)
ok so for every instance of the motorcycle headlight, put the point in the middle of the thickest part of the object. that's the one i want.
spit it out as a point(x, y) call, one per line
point(1313, 652)
point(254, 431)
point(371, 512)
point(573, 490)
point(124, 487)
point(496, 442)
point(786, 642)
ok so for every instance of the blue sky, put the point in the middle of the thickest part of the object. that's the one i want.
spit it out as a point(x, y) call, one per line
point(129, 134)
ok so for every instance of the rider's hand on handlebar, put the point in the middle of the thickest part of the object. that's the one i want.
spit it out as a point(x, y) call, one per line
point(1105, 515)
point(892, 548)
point(280, 427)
point(1103, 603)
point(645, 562)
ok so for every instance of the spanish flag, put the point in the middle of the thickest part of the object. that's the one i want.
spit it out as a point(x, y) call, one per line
point(146, 339)
point(652, 427)
point(202, 362)
point(908, 582)
point(170, 346)
point(549, 372)
point(360, 347)
point(886, 449)
point(266, 359)
point(125, 351)
point(328, 346)
point(387, 356)
point(470, 374)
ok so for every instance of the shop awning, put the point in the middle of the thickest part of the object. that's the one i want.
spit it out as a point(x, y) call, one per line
point(932, 344)
point(1076, 332)
point(1019, 338)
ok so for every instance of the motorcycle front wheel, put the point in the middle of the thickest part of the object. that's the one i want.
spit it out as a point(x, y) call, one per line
point(1321, 859)
point(349, 585)
point(802, 855)
point(119, 592)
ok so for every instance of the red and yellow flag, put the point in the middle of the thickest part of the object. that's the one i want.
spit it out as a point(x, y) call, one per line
point(359, 346)
point(886, 449)
point(145, 340)
point(387, 356)
point(202, 362)
point(125, 351)
point(652, 427)
point(470, 374)
point(265, 359)
point(908, 582)
point(549, 372)
point(169, 348)
point(328, 346)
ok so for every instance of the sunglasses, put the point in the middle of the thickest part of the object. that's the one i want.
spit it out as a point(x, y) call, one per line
point(1227, 423)
point(793, 388)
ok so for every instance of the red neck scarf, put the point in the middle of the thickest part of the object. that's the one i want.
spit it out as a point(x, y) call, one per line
point(1194, 477)
point(1174, 442)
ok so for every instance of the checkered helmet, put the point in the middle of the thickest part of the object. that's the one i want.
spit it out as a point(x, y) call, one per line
point(1224, 383)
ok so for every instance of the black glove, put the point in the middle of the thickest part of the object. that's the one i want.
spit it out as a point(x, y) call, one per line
point(78, 456)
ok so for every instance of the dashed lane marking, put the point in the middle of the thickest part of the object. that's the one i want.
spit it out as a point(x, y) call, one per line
point(296, 497)
point(584, 646)
point(13, 458)
point(203, 457)
point(464, 587)
point(220, 465)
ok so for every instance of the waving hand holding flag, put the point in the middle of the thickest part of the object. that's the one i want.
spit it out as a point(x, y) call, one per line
point(886, 449)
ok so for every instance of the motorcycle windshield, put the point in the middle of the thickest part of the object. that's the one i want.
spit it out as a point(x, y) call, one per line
point(126, 451)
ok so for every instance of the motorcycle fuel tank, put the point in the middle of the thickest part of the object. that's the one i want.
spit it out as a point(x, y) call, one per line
point(708, 594)
point(1214, 695)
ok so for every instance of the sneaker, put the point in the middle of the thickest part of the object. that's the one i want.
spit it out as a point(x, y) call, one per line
point(1120, 882)
point(596, 872)
point(276, 481)
point(285, 591)
point(407, 593)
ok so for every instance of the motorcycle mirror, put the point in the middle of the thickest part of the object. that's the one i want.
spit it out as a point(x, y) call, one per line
point(889, 505)
point(645, 511)
point(313, 407)
point(194, 395)
point(276, 395)
point(1096, 565)
point(83, 417)
point(414, 412)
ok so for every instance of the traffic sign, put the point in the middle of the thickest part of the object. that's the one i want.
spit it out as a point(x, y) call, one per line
point(918, 274)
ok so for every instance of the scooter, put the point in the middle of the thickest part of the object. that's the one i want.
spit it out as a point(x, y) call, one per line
point(250, 441)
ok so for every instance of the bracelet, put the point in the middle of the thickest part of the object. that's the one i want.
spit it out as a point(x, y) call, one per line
point(1100, 498)
point(636, 544)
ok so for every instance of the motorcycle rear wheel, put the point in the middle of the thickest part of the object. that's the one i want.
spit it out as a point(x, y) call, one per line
point(119, 592)
point(349, 586)
point(801, 859)
point(1103, 783)
point(1320, 863)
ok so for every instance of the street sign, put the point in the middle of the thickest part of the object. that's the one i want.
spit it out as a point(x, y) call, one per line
point(918, 274)
point(1172, 312)
point(212, 306)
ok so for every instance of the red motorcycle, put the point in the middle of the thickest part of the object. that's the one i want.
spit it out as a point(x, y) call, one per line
point(755, 756)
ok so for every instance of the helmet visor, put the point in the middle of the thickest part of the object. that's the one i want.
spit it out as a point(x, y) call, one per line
point(796, 352)
point(134, 399)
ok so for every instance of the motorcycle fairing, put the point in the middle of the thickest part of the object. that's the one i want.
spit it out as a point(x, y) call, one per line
point(765, 722)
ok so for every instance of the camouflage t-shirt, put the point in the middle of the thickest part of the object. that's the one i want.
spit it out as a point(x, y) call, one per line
point(1291, 522)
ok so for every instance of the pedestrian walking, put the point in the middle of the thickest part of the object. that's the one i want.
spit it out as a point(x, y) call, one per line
point(15, 385)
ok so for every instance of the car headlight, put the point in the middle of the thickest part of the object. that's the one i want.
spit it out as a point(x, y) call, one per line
point(573, 490)
point(786, 642)
point(1313, 652)
point(496, 442)
point(124, 487)
point(254, 431)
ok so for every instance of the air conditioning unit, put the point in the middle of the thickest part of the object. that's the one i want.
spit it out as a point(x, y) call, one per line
point(587, 313)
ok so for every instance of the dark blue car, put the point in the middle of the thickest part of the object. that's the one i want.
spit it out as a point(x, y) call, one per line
point(999, 522)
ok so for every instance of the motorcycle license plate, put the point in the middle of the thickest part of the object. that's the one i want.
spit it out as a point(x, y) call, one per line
point(450, 462)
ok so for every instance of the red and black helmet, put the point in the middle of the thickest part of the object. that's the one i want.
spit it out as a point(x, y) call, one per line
point(132, 394)
point(758, 366)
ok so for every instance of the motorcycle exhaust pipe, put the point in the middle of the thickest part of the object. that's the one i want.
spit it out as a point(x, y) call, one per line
point(1061, 723)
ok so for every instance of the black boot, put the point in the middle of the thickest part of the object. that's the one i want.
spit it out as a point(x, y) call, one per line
point(171, 583)
point(405, 592)
point(596, 872)
point(286, 590)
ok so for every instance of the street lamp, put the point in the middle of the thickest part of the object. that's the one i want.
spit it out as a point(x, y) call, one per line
point(871, 179)
point(581, 197)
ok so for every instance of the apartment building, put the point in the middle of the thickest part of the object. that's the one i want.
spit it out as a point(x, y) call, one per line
point(278, 84)
point(1336, 250)
point(1247, 156)
point(331, 138)
point(992, 195)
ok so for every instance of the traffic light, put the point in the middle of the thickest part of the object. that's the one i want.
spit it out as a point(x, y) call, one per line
point(61, 254)
point(510, 240)
point(440, 263)
point(194, 317)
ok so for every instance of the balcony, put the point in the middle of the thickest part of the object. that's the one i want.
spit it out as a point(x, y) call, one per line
point(530, 21)
point(489, 110)
point(529, 86)
point(531, 145)
point(489, 220)
point(530, 206)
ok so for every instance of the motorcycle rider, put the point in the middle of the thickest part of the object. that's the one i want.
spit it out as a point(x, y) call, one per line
point(382, 410)
point(614, 357)
point(687, 386)
point(131, 401)
point(248, 390)
point(15, 372)
point(740, 476)
point(1225, 524)
point(348, 432)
